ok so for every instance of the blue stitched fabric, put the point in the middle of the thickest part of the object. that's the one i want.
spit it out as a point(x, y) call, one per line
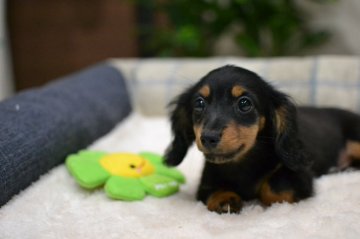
point(40, 127)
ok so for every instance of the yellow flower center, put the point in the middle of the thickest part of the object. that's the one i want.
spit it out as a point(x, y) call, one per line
point(126, 165)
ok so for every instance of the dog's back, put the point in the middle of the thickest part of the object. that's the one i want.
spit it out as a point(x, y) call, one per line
point(331, 137)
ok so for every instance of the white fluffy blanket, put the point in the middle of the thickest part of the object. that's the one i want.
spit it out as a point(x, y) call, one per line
point(56, 207)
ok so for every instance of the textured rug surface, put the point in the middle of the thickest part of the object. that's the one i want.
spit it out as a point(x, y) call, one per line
point(55, 207)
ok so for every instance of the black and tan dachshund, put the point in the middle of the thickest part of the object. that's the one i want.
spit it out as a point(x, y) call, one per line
point(256, 142)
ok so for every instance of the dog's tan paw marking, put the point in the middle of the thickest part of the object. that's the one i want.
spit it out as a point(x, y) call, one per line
point(224, 202)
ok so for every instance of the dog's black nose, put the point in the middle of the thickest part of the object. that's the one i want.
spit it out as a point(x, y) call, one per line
point(210, 139)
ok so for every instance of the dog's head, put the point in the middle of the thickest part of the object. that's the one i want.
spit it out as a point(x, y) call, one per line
point(227, 112)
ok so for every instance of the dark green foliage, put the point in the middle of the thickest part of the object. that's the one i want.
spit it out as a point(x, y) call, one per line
point(263, 27)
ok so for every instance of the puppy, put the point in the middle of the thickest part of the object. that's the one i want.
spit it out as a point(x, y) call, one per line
point(256, 143)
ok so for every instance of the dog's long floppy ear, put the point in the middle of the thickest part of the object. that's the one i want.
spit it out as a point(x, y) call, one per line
point(285, 128)
point(182, 129)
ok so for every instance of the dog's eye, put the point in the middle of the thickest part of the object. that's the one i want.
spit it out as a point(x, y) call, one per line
point(199, 105)
point(245, 104)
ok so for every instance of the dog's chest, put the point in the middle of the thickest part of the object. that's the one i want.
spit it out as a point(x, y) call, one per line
point(244, 180)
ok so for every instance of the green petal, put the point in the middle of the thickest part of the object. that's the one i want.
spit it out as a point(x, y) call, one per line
point(157, 161)
point(170, 172)
point(128, 189)
point(152, 157)
point(160, 186)
point(86, 169)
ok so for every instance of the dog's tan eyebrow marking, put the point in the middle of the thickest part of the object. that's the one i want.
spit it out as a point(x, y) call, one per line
point(205, 91)
point(237, 91)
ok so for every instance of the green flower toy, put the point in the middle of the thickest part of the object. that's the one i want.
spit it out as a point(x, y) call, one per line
point(126, 176)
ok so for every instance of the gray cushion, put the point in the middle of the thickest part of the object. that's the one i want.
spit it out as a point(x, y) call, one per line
point(40, 127)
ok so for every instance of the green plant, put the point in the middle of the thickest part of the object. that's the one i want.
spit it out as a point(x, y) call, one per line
point(263, 27)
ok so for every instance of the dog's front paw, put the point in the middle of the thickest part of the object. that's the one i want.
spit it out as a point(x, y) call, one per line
point(224, 202)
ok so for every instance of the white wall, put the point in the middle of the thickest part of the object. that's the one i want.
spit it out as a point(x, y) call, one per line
point(342, 18)
point(6, 85)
